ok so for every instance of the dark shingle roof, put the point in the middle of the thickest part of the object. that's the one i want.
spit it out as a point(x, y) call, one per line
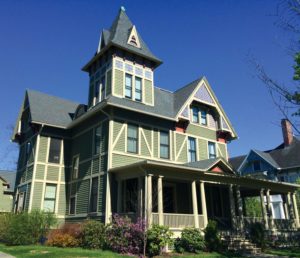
point(50, 110)
point(9, 177)
point(202, 164)
point(235, 162)
point(267, 157)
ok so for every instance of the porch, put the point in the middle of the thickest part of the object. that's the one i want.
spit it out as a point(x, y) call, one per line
point(179, 197)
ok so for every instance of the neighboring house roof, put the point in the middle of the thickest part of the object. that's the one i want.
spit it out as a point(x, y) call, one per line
point(280, 158)
point(10, 178)
point(208, 164)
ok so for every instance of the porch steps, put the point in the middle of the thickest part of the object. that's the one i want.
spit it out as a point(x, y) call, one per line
point(238, 243)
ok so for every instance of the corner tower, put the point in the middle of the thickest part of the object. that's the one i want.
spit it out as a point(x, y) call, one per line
point(122, 66)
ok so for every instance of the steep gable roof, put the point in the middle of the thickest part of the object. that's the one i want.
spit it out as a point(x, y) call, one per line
point(10, 178)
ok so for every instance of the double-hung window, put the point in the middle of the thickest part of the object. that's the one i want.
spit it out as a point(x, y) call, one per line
point(54, 151)
point(203, 120)
point(195, 114)
point(138, 89)
point(75, 167)
point(132, 139)
point(94, 195)
point(49, 198)
point(192, 153)
point(128, 86)
point(102, 88)
point(164, 145)
point(212, 150)
point(97, 140)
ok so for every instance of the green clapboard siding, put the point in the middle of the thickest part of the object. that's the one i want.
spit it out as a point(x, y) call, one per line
point(52, 173)
point(26, 207)
point(122, 160)
point(43, 149)
point(108, 83)
point(85, 169)
point(202, 148)
point(103, 163)
point(201, 132)
point(40, 171)
point(120, 145)
point(101, 194)
point(37, 195)
point(144, 149)
point(119, 83)
point(82, 145)
point(96, 165)
point(183, 155)
point(29, 173)
point(82, 201)
point(222, 148)
point(155, 143)
point(180, 140)
point(148, 92)
point(62, 200)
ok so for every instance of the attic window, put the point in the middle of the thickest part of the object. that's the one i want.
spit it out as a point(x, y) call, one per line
point(133, 38)
point(133, 41)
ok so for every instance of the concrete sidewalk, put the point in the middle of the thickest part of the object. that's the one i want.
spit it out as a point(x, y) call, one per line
point(3, 255)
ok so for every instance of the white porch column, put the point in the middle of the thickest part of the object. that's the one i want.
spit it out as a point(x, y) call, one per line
point(297, 223)
point(149, 200)
point(108, 200)
point(203, 204)
point(232, 207)
point(140, 198)
point(271, 220)
point(240, 208)
point(195, 204)
point(160, 201)
point(119, 201)
point(263, 209)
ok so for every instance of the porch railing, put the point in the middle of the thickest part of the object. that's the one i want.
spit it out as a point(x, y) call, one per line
point(283, 224)
point(174, 220)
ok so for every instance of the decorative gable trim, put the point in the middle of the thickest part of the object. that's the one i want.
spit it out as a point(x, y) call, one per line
point(133, 38)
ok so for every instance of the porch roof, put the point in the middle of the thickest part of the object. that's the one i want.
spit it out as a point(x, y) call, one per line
point(184, 172)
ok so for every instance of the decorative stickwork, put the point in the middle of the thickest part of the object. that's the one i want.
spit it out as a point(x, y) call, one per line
point(148, 74)
point(128, 68)
point(185, 112)
point(138, 71)
point(203, 94)
point(119, 64)
point(224, 124)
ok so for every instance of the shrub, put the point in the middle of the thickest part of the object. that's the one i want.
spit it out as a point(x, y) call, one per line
point(73, 229)
point(93, 235)
point(257, 234)
point(126, 237)
point(191, 241)
point(5, 219)
point(157, 238)
point(60, 239)
point(28, 228)
point(212, 237)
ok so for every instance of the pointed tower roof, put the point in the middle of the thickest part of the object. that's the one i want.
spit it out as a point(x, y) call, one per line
point(119, 35)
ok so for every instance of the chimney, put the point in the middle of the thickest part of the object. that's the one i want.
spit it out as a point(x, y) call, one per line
point(287, 132)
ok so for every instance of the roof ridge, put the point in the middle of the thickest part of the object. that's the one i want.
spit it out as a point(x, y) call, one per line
point(162, 89)
point(189, 84)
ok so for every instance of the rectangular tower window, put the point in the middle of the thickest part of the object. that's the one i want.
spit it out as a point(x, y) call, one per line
point(212, 150)
point(28, 151)
point(97, 140)
point(203, 117)
point(164, 145)
point(132, 138)
point(192, 153)
point(72, 205)
point(50, 198)
point(102, 86)
point(128, 86)
point(96, 92)
point(75, 167)
point(94, 195)
point(54, 151)
point(138, 89)
point(195, 114)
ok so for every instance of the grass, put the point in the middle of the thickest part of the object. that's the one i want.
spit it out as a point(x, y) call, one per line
point(54, 252)
point(289, 252)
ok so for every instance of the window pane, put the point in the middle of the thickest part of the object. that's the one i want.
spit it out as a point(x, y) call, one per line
point(138, 96)
point(195, 115)
point(49, 205)
point(138, 83)
point(132, 145)
point(132, 131)
point(128, 86)
point(72, 205)
point(132, 138)
point(203, 117)
point(164, 151)
point(212, 150)
point(192, 144)
point(97, 139)
point(192, 156)
point(94, 195)
point(192, 149)
point(54, 152)
point(50, 191)
point(164, 138)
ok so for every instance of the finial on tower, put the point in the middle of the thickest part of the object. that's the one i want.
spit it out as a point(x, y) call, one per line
point(123, 8)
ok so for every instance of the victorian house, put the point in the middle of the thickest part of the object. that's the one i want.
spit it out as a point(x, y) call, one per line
point(134, 149)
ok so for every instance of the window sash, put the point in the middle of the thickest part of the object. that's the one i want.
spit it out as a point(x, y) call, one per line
point(54, 150)
point(203, 117)
point(49, 198)
point(192, 150)
point(212, 150)
point(128, 86)
point(195, 117)
point(138, 89)
point(132, 138)
point(164, 145)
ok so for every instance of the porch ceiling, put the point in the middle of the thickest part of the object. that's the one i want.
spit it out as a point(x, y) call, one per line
point(185, 173)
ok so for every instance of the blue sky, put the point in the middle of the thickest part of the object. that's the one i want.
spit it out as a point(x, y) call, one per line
point(44, 45)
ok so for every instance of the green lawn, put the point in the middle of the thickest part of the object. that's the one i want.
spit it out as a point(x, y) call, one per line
point(290, 252)
point(54, 252)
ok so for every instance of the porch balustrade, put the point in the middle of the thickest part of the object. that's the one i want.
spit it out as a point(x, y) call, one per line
point(174, 220)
